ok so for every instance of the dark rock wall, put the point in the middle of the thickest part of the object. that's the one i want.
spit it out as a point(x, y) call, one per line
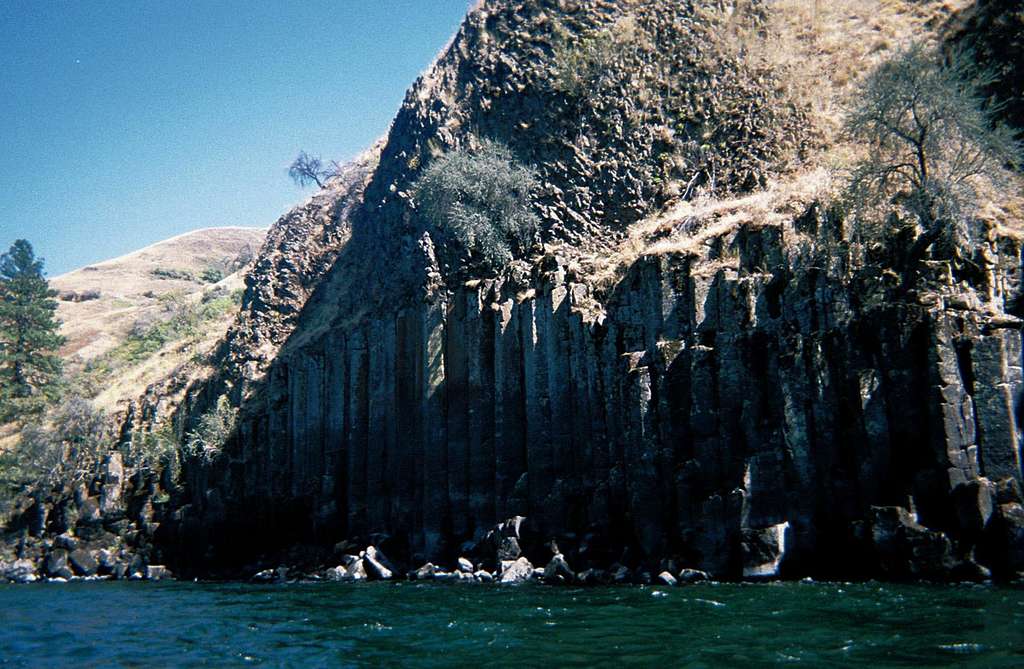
point(728, 406)
point(700, 401)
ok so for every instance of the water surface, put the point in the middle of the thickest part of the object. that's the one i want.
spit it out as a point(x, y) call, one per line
point(434, 625)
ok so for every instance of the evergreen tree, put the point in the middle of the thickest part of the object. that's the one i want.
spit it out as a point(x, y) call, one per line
point(30, 369)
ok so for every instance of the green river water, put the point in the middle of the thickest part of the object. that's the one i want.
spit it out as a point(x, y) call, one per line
point(440, 625)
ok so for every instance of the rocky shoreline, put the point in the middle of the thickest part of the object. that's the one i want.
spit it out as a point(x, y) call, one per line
point(899, 549)
point(97, 529)
point(903, 550)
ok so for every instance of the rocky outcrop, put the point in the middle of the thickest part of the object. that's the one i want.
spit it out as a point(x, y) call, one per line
point(763, 550)
point(516, 571)
point(994, 33)
point(558, 570)
point(102, 527)
point(743, 414)
point(756, 400)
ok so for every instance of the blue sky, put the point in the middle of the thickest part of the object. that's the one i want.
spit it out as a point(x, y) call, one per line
point(124, 123)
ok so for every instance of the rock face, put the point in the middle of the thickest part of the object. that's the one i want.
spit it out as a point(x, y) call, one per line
point(693, 412)
point(516, 571)
point(377, 566)
point(905, 548)
point(113, 484)
point(994, 32)
point(763, 550)
point(757, 401)
point(558, 570)
point(57, 564)
point(83, 562)
point(666, 578)
point(19, 571)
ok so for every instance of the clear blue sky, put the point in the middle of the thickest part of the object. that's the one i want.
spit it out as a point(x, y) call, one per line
point(124, 123)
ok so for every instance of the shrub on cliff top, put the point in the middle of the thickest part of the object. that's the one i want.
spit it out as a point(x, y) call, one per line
point(481, 200)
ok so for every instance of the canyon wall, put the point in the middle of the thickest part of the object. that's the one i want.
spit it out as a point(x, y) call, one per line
point(704, 405)
point(766, 401)
point(754, 393)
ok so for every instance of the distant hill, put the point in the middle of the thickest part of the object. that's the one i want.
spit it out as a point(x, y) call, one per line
point(119, 315)
point(100, 303)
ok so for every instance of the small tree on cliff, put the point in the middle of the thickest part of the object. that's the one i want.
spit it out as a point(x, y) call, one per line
point(307, 169)
point(481, 199)
point(931, 136)
point(30, 368)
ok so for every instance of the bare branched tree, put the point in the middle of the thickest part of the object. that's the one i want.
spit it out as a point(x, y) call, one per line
point(932, 136)
point(66, 453)
point(307, 169)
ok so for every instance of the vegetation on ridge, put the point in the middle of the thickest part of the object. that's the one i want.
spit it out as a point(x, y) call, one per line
point(184, 323)
point(931, 137)
point(480, 199)
point(307, 169)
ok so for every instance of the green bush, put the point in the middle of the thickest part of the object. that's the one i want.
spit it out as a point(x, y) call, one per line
point(175, 274)
point(212, 431)
point(211, 275)
point(155, 447)
point(186, 322)
point(480, 199)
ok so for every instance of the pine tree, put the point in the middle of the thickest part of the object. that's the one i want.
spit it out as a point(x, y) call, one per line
point(30, 369)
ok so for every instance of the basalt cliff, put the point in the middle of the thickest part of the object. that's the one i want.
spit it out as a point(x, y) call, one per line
point(700, 364)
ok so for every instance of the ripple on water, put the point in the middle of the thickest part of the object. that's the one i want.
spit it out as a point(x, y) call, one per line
point(962, 648)
point(445, 624)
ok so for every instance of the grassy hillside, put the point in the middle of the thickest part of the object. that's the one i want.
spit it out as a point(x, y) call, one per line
point(100, 303)
point(130, 320)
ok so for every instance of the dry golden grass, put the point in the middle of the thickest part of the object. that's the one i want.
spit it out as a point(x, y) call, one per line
point(820, 50)
point(688, 228)
point(130, 291)
point(8, 437)
point(131, 294)
point(132, 382)
point(823, 48)
point(1006, 212)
